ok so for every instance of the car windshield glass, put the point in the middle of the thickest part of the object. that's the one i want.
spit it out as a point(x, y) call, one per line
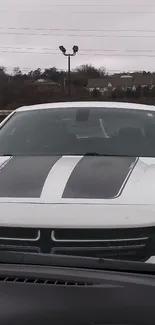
point(79, 131)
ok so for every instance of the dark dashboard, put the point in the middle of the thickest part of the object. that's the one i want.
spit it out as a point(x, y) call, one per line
point(45, 295)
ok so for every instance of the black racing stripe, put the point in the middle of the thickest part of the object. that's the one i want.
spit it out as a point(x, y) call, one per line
point(98, 177)
point(24, 177)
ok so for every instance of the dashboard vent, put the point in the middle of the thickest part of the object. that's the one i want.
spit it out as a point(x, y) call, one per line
point(46, 281)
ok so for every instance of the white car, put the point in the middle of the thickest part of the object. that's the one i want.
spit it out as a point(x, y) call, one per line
point(79, 178)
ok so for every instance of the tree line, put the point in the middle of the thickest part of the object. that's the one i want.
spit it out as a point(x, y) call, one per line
point(19, 88)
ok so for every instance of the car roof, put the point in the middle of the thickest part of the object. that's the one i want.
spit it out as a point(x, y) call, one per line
point(87, 104)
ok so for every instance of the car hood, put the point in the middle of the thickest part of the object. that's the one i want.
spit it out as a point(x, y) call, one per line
point(77, 180)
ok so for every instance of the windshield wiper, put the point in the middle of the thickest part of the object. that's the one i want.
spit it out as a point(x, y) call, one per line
point(77, 262)
point(106, 154)
point(6, 155)
point(103, 154)
point(93, 154)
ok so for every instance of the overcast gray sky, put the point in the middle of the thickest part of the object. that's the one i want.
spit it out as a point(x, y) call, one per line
point(32, 30)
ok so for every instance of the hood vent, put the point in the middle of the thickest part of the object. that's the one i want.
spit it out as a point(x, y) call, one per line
point(45, 281)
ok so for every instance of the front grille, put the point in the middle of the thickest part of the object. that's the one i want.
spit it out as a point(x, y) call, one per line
point(21, 234)
point(94, 235)
point(136, 244)
point(19, 248)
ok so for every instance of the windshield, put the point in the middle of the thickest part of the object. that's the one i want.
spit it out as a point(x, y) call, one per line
point(79, 131)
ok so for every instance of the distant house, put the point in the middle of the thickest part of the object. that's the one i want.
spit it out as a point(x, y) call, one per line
point(45, 84)
point(100, 84)
point(108, 84)
point(123, 82)
point(143, 81)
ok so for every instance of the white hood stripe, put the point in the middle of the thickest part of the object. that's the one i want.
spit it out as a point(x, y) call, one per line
point(4, 160)
point(58, 177)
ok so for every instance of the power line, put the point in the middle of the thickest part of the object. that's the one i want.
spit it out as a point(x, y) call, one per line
point(26, 52)
point(112, 12)
point(48, 11)
point(28, 69)
point(127, 71)
point(98, 5)
point(84, 5)
point(81, 54)
point(79, 30)
point(77, 35)
point(108, 70)
point(82, 49)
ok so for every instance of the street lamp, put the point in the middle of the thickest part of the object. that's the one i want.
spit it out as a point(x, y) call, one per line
point(63, 50)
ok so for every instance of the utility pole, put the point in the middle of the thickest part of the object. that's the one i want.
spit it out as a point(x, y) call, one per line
point(69, 75)
point(69, 55)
